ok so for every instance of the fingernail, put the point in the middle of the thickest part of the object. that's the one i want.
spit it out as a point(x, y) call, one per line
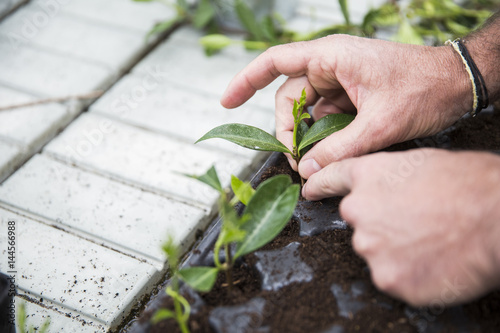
point(308, 167)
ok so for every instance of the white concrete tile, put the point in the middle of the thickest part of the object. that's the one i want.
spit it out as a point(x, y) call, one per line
point(7, 5)
point(195, 71)
point(74, 273)
point(120, 216)
point(36, 316)
point(159, 108)
point(45, 74)
point(10, 158)
point(127, 14)
point(143, 158)
point(67, 34)
point(184, 63)
point(31, 126)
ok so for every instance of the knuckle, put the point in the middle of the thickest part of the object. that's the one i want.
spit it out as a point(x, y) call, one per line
point(388, 279)
point(347, 209)
point(383, 281)
point(362, 244)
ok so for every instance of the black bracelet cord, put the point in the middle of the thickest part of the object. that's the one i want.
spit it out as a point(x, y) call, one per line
point(482, 92)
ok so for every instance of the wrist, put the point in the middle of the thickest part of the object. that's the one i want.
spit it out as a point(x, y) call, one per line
point(484, 48)
point(457, 88)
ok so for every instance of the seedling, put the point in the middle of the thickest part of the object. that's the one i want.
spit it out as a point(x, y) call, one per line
point(182, 308)
point(23, 326)
point(303, 136)
point(267, 211)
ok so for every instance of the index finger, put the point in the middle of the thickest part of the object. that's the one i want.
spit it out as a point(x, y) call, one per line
point(289, 59)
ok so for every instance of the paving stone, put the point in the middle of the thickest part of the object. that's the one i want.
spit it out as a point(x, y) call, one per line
point(41, 73)
point(161, 108)
point(79, 276)
point(7, 5)
point(185, 64)
point(123, 13)
point(136, 221)
point(10, 157)
point(143, 158)
point(36, 316)
point(112, 46)
point(31, 126)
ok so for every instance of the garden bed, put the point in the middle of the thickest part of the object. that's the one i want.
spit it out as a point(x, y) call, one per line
point(309, 279)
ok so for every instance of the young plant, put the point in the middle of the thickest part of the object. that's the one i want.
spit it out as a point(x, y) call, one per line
point(303, 136)
point(182, 308)
point(21, 318)
point(267, 211)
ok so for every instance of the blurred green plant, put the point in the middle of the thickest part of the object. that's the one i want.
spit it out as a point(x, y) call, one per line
point(428, 22)
point(182, 309)
point(23, 325)
point(200, 16)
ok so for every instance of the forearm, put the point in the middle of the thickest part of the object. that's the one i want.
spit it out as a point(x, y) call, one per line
point(484, 47)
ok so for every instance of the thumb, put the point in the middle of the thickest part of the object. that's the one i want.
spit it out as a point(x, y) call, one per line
point(335, 179)
point(359, 137)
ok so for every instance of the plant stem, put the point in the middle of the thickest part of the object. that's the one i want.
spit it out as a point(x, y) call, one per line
point(183, 326)
point(178, 316)
point(178, 307)
point(229, 268)
point(216, 255)
point(295, 151)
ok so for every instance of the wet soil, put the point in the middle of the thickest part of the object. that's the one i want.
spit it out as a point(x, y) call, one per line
point(337, 295)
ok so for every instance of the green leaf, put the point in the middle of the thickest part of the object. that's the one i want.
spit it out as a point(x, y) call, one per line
point(301, 131)
point(270, 209)
point(163, 26)
point(407, 34)
point(345, 11)
point(203, 14)
point(269, 29)
point(242, 190)
point(171, 250)
point(21, 316)
point(246, 136)
point(295, 111)
point(215, 42)
point(304, 116)
point(45, 326)
point(303, 98)
point(248, 20)
point(324, 127)
point(231, 235)
point(457, 28)
point(230, 231)
point(210, 178)
point(162, 314)
point(255, 45)
point(199, 278)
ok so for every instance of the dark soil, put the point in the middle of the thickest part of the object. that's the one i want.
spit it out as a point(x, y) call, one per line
point(311, 306)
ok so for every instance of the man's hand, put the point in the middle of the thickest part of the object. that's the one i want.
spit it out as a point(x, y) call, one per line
point(426, 221)
point(398, 91)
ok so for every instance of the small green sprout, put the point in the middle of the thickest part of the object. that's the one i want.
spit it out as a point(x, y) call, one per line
point(182, 308)
point(303, 136)
point(21, 318)
point(267, 211)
